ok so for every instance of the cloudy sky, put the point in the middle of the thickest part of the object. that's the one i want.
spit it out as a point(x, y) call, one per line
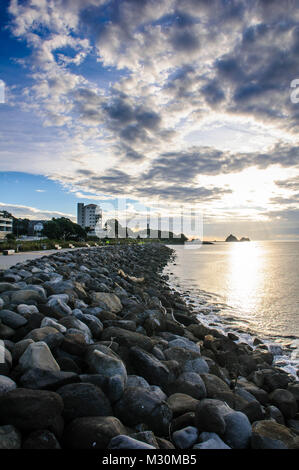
point(169, 103)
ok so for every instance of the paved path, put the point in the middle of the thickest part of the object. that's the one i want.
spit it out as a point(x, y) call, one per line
point(10, 260)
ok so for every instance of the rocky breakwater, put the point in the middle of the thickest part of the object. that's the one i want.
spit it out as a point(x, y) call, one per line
point(98, 352)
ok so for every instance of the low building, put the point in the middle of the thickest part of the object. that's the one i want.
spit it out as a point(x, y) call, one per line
point(35, 227)
point(5, 224)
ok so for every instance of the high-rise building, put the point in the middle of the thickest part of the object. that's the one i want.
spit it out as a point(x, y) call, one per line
point(5, 224)
point(89, 216)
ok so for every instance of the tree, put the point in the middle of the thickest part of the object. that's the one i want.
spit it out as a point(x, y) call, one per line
point(63, 229)
point(20, 226)
point(10, 237)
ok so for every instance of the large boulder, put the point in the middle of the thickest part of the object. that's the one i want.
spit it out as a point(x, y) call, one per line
point(190, 384)
point(104, 362)
point(38, 356)
point(12, 319)
point(127, 338)
point(180, 403)
point(214, 385)
point(111, 301)
point(238, 430)
point(27, 296)
point(40, 379)
point(185, 438)
point(139, 405)
point(30, 410)
point(270, 435)
point(84, 399)
point(285, 402)
point(92, 432)
point(147, 365)
point(209, 416)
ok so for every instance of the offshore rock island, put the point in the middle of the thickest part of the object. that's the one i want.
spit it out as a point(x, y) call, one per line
point(232, 238)
point(100, 353)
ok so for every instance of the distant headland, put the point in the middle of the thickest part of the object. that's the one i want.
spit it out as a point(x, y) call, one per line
point(232, 238)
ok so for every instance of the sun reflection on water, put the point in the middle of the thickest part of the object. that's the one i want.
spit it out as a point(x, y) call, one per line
point(245, 275)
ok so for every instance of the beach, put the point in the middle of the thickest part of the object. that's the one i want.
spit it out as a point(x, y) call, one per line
point(99, 351)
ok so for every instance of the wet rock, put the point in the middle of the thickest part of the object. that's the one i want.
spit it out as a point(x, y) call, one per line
point(164, 444)
point(139, 405)
point(30, 410)
point(185, 438)
point(6, 332)
point(92, 432)
point(127, 442)
point(38, 356)
point(271, 435)
point(270, 379)
point(285, 402)
point(10, 438)
point(12, 319)
point(84, 399)
point(41, 439)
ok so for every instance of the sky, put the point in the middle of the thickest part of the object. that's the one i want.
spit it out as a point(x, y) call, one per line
point(168, 105)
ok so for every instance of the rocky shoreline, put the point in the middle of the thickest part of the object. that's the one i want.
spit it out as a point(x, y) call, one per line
point(98, 352)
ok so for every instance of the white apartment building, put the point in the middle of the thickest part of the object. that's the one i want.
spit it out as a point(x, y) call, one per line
point(5, 225)
point(89, 216)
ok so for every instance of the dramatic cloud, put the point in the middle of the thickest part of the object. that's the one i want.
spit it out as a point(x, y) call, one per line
point(124, 94)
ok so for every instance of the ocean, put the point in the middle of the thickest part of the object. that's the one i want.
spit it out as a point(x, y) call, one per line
point(251, 288)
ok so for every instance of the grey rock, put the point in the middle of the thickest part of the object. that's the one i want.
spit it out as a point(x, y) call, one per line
point(41, 439)
point(191, 384)
point(24, 309)
point(47, 321)
point(137, 381)
point(238, 430)
point(181, 403)
point(38, 355)
point(27, 295)
point(210, 440)
point(12, 319)
point(139, 405)
point(185, 438)
point(103, 361)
